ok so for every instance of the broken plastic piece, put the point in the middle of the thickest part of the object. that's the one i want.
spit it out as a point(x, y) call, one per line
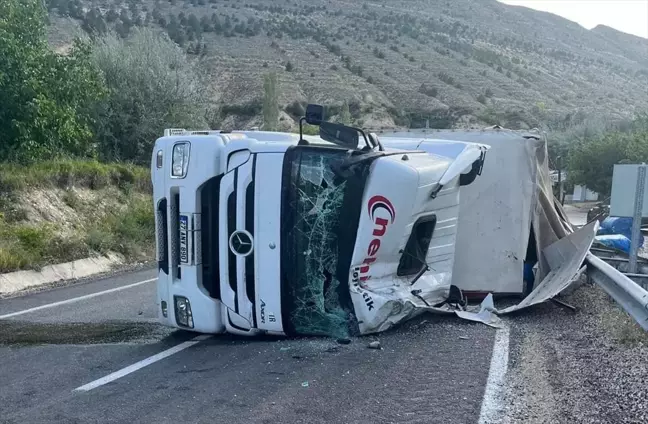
point(374, 345)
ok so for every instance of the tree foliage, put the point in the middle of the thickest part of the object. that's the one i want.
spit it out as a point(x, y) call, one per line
point(45, 96)
point(592, 160)
point(270, 102)
point(152, 86)
point(345, 114)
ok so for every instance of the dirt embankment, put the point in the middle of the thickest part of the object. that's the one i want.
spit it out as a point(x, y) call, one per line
point(584, 367)
point(62, 211)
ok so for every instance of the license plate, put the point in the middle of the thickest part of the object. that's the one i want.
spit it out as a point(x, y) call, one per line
point(184, 239)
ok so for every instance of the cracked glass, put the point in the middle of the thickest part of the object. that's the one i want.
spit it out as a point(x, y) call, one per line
point(317, 208)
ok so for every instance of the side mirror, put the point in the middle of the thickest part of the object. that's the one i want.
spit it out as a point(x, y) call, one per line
point(339, 134)
point(314, 114)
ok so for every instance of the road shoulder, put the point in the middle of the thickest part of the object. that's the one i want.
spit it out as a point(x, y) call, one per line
point(585, 367)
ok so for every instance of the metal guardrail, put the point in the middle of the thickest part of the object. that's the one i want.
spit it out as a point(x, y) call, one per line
point(622, 289)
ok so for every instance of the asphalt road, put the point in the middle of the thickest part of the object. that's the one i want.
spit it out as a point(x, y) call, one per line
point(431, 370)
point(577, 216)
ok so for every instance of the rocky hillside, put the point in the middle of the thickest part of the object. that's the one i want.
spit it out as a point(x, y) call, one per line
point(453, 63)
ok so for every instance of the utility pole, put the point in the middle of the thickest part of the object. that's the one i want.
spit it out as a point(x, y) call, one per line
point(636, 219)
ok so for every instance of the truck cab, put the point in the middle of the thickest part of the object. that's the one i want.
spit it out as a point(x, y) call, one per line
point(277, 233)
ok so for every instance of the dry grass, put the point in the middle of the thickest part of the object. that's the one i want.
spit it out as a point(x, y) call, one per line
point(62, 211)
point(611, 317)
point(73, 173)
point(622, 327)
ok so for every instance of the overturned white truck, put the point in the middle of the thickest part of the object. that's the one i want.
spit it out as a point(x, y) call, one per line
point(275, 233)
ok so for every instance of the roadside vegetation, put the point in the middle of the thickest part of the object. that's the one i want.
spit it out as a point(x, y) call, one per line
point(71, 185)
point(588, 148)
point(53, 212)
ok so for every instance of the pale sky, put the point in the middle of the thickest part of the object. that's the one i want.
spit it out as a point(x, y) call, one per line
point(629, 16)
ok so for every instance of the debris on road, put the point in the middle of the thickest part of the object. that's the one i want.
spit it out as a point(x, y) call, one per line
point(344, 341)
point(374, 345)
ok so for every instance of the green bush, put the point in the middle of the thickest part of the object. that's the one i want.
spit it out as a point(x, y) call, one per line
point(24, 246)
point(68, 173)
point(130, 231)
point(46, 97)
point(310, 129)
point(10, 260)
point(152, 85)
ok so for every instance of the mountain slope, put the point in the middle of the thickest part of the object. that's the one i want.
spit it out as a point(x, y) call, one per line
point(454, 63)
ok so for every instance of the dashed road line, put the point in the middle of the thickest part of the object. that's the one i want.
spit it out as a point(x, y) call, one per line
point(493, 401)
point(141, 364)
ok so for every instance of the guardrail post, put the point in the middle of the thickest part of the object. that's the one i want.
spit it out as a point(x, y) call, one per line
point(636, 219)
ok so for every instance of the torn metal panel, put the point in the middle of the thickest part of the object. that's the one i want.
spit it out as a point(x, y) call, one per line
point(566, 257)
point(486, 313)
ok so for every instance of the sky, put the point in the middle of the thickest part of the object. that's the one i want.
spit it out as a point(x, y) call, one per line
point(629, 16)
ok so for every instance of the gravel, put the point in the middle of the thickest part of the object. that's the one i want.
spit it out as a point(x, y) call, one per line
point(590, 366)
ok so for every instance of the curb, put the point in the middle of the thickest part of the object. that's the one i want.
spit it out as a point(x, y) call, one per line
point(20, 280)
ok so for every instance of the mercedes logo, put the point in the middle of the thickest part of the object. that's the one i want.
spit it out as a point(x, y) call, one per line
point(240, 243)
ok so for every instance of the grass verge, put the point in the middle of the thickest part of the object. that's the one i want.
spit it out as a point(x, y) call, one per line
point(127, 226)
point(69, 173)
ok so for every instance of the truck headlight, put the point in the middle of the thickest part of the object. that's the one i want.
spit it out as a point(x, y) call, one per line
point(180, 160)
point(183, 311)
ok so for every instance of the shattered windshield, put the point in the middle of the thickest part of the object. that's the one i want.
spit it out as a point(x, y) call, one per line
point(320, 216)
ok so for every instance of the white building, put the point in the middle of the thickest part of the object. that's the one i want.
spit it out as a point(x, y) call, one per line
point(580, 194)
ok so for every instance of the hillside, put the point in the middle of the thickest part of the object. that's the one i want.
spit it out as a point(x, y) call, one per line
point(456, 63)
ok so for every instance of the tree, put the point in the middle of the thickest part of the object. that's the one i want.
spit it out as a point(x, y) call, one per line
point(270, 102)
point(123, 16)
point(157, 15)
point(122, 29)
point(592, 161)
point(45, 96)
point(75, 9)
point(152, 86)
point(194, 27)
point(345, 115)
point(176, 33)
point(428, 91)
point(93, 23)
point(206, 24)
point(111, 15)
point(289, 67)
point(218, 27)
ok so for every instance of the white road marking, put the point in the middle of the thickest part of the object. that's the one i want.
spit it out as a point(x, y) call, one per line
point(141, 364)
point(75, 299)
point(493, 402)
